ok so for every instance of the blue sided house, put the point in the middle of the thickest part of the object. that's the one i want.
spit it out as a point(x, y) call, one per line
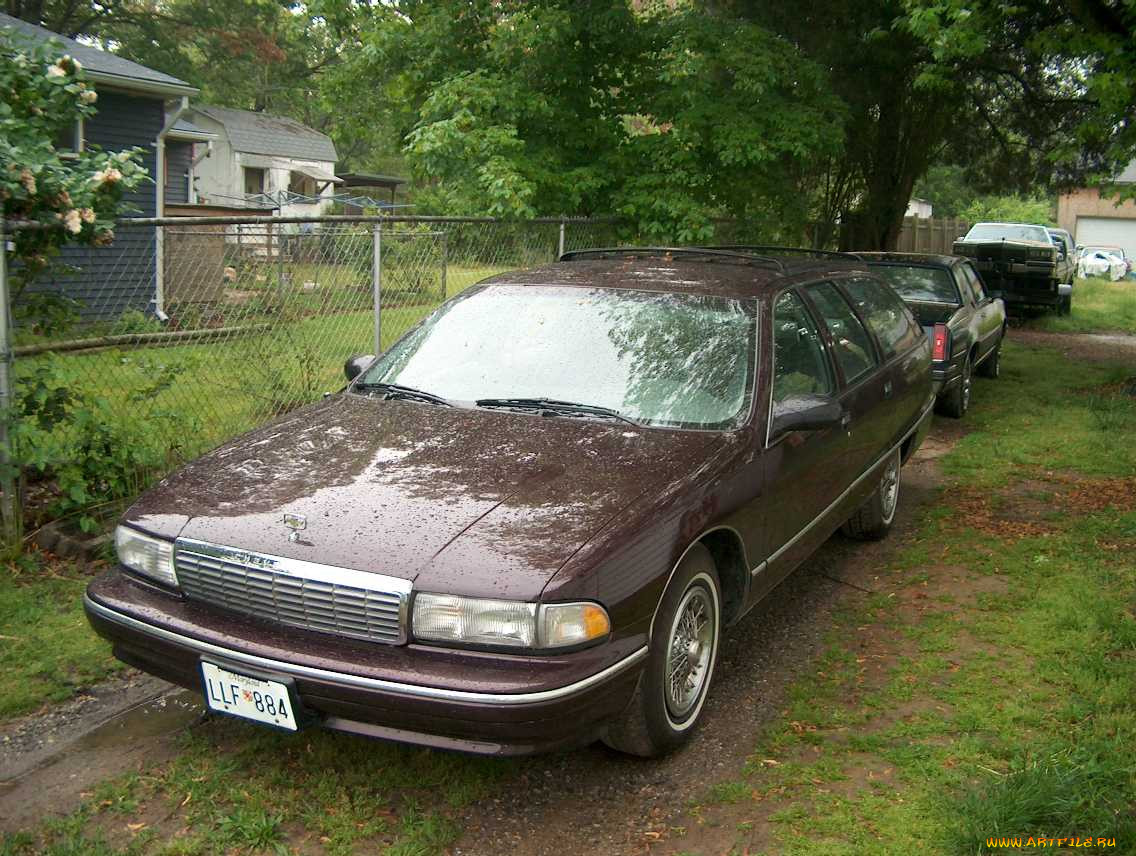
point(141, 107)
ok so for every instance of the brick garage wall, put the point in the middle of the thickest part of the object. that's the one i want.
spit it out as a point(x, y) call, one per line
point(1087, 202)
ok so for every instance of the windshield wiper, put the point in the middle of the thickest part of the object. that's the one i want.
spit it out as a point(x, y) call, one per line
point(556, 406)
point(394, 390)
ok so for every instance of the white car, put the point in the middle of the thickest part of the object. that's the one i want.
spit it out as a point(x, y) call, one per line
point(1102, 261)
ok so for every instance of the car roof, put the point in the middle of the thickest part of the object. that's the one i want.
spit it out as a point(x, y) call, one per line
point(680, 270)
point(935, 259)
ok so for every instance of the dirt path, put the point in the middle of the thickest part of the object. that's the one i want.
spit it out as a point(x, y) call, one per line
point(49, 761)
point(1093, 347)
point(602, 802)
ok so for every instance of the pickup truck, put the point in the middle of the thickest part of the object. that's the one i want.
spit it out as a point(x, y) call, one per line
point(1018, 261)
point(966, 326)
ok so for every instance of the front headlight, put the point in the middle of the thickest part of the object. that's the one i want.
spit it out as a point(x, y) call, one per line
point(150, 557)
point(506, 623)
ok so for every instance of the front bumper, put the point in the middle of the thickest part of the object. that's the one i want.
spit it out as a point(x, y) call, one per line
point(495, 704)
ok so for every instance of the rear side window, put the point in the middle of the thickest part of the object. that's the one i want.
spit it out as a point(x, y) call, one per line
point(974, 283)
point(886, 314)
point(800, 366)
point(853, 345)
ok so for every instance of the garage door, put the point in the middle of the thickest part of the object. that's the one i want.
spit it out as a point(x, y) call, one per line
point(1111, 231)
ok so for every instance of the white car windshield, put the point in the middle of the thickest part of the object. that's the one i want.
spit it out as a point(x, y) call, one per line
point(1008, 232)
point(663, 359)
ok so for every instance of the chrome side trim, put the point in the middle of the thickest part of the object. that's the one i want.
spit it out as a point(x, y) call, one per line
point(808, 526)
point(759, 569)
point(358, 681)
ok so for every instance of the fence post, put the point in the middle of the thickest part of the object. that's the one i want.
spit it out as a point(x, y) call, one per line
point(560, 250)
point(9, 504)
point(377, 284)
point(445, 260)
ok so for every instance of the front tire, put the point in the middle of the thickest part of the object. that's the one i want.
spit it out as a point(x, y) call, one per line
point(872, 521)
point(668, 700)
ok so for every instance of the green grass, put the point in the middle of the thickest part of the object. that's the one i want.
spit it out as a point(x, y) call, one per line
point(1099, 306)
point(1046, 412)
point(47, 649)
point(236, 788)
point(1003, 707)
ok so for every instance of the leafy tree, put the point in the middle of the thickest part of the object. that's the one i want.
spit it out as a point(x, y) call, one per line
point(660, 113)
point(1011, 209)
point(77, 194)
point(1060, 78)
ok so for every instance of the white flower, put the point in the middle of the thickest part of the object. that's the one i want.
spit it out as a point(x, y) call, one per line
point(86, 215)
point(71, 221)
point(123, 157)
point(55, 71)
point(88, 96)
point(110, 175)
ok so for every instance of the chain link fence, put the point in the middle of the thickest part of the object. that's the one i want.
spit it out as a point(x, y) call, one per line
point(186, 332)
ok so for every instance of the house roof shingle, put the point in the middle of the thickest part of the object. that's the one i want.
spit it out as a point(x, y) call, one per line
point(102, 66)
point(259, 133)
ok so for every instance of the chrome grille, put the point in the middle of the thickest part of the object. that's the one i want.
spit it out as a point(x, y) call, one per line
point(345, 602)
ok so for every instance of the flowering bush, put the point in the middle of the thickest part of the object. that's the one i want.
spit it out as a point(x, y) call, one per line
point(76, 195)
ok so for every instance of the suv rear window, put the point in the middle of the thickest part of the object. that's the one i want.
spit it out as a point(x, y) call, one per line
point(925, 284)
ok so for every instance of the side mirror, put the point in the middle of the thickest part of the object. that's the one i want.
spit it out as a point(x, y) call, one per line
point(806, 413)
point(355, 365)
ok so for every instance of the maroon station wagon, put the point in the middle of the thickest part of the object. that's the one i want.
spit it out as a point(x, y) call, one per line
point(526, 525)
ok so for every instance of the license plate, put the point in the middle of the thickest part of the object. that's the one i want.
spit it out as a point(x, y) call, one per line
point(248, 697)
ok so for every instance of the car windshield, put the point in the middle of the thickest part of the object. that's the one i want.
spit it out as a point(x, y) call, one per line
point(1007, 231)
point(926, 284)
point(664, 359)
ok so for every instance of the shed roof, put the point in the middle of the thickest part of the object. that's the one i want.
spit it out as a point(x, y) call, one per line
point(262, 134)
point(102, 66)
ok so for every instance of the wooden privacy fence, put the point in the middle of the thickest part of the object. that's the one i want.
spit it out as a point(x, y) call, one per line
point(930, 235)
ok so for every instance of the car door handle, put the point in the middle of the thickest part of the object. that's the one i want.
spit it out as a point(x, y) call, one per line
point(887, 389)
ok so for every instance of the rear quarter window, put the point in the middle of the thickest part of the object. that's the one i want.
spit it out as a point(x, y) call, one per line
point(885, 314)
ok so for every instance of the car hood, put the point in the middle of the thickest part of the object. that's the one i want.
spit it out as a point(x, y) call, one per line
point(476, 502)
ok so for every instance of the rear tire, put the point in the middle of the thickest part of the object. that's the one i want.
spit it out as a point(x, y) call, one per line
point(668, 699)
point(991, 367)
point(956, 401)
point(872, 521)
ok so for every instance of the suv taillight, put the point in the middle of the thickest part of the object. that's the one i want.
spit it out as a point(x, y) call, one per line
point(940, 338)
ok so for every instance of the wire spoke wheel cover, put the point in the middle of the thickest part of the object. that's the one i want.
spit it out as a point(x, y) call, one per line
point(690, 651)
point(889, 489)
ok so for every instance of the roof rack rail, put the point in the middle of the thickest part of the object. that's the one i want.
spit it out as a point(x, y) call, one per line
point(768, 248)
point(709, 254)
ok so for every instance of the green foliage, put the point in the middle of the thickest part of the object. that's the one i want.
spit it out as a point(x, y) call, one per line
point(1011, 209)
point(663, 113)
point(76, 194)
point(1062, 77)
point(95, 453)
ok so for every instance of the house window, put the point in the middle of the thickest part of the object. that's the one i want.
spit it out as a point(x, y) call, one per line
point(254, 181)
point(301, 184)
point(68, 139)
